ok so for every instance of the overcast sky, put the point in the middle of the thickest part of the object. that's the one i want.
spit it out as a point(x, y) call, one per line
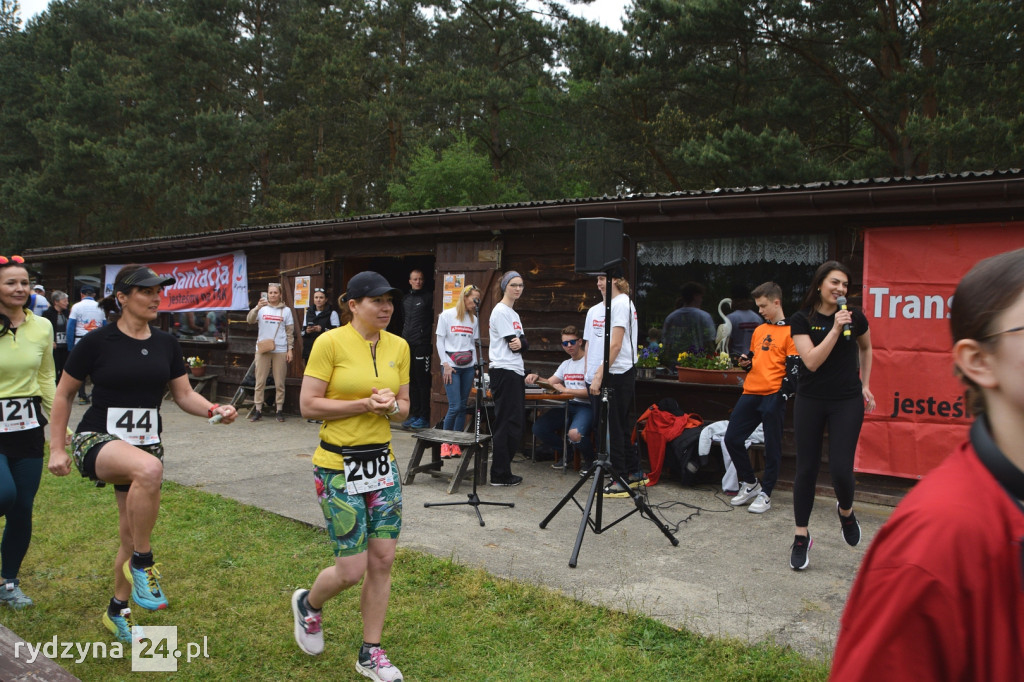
point(606, 12)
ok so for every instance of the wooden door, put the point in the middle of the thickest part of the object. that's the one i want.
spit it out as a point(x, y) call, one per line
point(480, 262)
point(298, 264)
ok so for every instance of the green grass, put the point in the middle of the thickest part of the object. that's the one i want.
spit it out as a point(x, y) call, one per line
point(229, 571)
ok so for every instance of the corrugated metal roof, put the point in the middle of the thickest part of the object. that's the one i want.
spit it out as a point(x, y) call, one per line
point(463, 211)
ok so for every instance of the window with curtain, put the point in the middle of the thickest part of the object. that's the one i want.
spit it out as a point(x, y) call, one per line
point(728, 267)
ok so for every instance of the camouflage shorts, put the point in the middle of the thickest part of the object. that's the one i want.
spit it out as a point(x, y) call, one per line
point(83, 442)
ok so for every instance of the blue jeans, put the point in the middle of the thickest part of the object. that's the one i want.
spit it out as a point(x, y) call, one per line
point(548, 427)
point(458, 394)
point(751, 410)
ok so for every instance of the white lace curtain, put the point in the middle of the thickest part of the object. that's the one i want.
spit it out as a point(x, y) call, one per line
point(799, 249)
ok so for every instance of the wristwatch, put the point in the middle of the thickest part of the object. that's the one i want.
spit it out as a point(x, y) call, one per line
point(395, 410)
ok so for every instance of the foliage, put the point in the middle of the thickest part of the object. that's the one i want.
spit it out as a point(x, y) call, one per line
point(215, 551)
point(195, 361)
point(123, 120)
point(701, 359)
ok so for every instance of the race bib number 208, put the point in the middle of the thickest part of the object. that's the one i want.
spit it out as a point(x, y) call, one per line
point(364, 477)
point(135, 425)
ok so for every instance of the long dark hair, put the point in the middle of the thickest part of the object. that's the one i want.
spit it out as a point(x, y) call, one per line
point(813, 296)
point(110, 306)
point(991, 286)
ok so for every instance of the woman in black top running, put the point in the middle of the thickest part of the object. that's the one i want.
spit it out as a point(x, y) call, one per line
point(833, 391)
point(118, 439)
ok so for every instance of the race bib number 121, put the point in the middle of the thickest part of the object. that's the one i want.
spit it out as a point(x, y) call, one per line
point(18, 414)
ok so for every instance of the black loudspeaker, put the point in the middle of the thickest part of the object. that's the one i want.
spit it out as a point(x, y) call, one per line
point(598, 244)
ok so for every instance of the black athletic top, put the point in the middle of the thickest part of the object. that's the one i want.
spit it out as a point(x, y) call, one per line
point(126, 372)
point(838, 377)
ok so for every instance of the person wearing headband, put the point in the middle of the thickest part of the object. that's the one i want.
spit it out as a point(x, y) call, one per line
point(507, 374)
point(26, 398)
point(119, 439)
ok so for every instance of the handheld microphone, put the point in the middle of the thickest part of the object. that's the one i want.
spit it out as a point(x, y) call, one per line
point(846, 327)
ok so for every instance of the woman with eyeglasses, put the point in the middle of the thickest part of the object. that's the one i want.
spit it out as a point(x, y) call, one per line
point(320, 317)
point(458, 330)
point(940, 594)
point(26, 397)
point(507, 374)
point(274, 341)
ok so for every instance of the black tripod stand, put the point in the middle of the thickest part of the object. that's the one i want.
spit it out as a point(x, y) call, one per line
point(478, 449)
point(602, 466)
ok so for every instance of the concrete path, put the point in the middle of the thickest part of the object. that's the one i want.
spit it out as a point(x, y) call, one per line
point(729, 576)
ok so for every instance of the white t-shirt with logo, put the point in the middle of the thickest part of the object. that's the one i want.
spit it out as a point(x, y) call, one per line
point(572, 374)
point(273, 324)
point(87, 315)
point(455, 335)
point(624, 315)
point(505, 322)
point(593, 334)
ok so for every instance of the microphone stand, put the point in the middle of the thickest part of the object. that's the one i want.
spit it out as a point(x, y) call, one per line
point(478, 449)
point(602, 466)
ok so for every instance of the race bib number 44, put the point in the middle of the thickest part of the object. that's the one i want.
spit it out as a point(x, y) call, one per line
point(18, 414)
point(370, 475)
point(135, 425)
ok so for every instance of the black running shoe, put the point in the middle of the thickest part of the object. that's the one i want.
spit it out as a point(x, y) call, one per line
point(508, 481)
point(798, 560)
point(851, 528)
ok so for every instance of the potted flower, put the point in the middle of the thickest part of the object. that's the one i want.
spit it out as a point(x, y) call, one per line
point(703, 367)
point(647, 361)
point(196, 365)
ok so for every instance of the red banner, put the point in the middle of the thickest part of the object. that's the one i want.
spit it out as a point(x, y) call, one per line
point(910, 274)
point(219, 282)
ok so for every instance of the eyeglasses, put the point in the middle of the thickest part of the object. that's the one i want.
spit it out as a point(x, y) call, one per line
point(570, 342)
point(4, 260)
point(1005, 331)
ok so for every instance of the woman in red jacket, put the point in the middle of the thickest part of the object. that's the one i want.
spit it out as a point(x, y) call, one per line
point(940, 595)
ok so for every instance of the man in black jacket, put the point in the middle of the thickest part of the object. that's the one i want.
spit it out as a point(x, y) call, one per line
point(416, 330)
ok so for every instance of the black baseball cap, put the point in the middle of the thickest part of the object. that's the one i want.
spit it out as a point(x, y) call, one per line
point(87, 289)
point(144, 277)
point(368, 283)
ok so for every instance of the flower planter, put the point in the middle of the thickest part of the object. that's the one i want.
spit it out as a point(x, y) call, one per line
point(718, 377)
point(645, 372)
point(198, 371)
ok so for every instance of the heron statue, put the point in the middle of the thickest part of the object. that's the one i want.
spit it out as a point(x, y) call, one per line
point(724, 329)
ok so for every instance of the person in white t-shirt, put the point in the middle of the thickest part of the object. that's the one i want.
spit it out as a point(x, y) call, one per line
point(621, 384)
point(458, 329)
point(507, 374)
point(38, 301)
point(85, 316)
point(568, 378)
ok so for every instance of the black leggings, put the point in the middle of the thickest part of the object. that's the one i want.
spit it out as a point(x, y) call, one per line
point(844, 418)
point(509, 391)
point(19, 481)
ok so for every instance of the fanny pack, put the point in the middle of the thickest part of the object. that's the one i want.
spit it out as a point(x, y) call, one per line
point(359, 453)
point(461, 358)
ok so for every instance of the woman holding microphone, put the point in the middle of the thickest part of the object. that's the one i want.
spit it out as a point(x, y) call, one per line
point(357, 381)
point(834, 343)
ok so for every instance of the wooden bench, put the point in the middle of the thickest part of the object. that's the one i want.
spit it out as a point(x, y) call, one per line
point(18, 669)
point(434, 438)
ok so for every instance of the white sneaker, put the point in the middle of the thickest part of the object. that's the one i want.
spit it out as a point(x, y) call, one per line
point(308, 634)
point(747, 492)
point(378, 667)
point(761, 504)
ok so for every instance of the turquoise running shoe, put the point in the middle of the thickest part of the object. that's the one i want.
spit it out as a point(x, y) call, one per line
point(146, 590)
point(122, 625)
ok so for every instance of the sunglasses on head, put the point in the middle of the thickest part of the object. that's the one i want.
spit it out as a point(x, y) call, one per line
point(4, 260)
point(570, 342)
point(318, 289)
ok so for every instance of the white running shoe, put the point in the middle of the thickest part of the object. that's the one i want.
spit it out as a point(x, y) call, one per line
point(308, 634)
point(761, 504)
point(378, 667)
point(748, 491)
